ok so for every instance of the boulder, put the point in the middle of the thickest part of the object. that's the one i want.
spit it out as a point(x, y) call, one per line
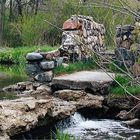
point(47, 65)
point(21, 115)
point(44, 77)
point(97, 82)
point(81, 98)
point(34, 57)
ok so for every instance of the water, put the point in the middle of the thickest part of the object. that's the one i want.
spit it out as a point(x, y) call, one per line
point(98, 129)
point(82, 128)
point(10, 75)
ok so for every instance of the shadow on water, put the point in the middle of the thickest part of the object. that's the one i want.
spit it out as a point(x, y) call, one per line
point(10, 75)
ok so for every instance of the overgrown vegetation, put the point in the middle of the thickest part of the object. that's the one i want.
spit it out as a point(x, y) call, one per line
point(17, 55)
point(125, 81)
point(24, 22)
point(73, 67)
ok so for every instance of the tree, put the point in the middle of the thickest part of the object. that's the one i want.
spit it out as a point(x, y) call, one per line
point(2, 15)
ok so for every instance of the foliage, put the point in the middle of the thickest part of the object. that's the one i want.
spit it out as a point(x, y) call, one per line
point(62, 136)
point(31, 29)
point(73, 67)
point(125, 81)
point(17, 55)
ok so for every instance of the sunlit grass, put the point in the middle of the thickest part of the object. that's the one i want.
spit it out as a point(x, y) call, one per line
point(73, 67)
point(17, 55)
point(124, 81)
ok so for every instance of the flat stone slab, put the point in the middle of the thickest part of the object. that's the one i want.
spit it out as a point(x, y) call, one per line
point(96, 81)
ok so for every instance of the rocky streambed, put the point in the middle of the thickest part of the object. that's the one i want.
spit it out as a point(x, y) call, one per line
point(41, 104)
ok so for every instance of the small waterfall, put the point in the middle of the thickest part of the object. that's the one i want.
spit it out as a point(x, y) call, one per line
point(97, 129)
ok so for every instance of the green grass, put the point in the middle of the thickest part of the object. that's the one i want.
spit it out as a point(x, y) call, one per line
point(119, 91)
point(17, 55)
point(62, 136)
point(73, 67)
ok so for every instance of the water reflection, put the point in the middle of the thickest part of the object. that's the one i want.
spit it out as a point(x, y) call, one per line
point(10, 75)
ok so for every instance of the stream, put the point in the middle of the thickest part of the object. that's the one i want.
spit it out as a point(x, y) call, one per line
point(10, 75)
point(81, 128)
point(76, 126)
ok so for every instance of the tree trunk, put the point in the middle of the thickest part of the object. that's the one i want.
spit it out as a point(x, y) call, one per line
point(36, 8)
point(2, 15)
point(11, 10)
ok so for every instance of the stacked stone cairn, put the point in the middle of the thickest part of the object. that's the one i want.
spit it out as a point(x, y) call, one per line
point(80, 36)
point(127, 51)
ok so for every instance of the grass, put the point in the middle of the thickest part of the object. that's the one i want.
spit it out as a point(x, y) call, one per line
point(73, 67)
point(17, 55)
point(125, 81)
point(62, 136)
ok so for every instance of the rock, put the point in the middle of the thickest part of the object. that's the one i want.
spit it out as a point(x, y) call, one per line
point(71, 24)
point(32, 69)
point(65, 65)
point(124, 115)
point(47, 65)
point(27, 92)
point(44, 77)
point(59, 61)
point(93, 81)
point(81, 98)
point(51, 55)
point(44, 88)
point(135, 123)
point(123, 55)
point(10, 88)
point(34, 57)
point(21, 115)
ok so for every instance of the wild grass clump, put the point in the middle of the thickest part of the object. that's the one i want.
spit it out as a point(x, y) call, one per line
point(62, 136)
point(126, 82)
point(17, 55)
point(73, 67)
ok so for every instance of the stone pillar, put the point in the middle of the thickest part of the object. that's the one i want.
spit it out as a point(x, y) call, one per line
point(127, 51)
point(80, 34)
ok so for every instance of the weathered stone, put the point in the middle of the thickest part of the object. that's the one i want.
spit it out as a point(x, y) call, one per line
point(47, 65)
point(10, 88)
point(44, 77)
point(81, 98)
point(136, 70)
point(34, 57)
point(123, 54)
point(71, 24)
point(20, 115)
point(97, 82)
point(44, 88)
point(51, 55)
point(135, 123)
point(32, 69)
point(59, 61)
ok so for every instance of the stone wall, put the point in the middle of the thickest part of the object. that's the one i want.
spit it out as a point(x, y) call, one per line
point(81, 32)
point(78, 30)
point(127, 49)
